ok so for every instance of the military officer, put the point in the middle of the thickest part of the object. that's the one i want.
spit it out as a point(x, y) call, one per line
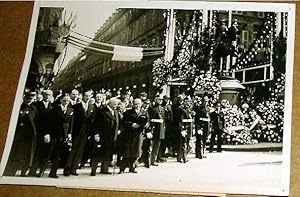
point(23, 147)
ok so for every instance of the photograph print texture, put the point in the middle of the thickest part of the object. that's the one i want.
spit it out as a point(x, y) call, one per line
point(171, 97)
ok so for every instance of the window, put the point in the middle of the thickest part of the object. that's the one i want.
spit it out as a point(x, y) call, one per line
point(245, 39)
point(237, 12)
point(261, 14)
point(254, 35)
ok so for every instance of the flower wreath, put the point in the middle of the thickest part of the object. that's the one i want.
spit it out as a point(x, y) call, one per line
point(207, 81)
point(160, 71)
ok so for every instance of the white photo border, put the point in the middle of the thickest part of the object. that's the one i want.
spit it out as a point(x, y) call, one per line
point(188, 5)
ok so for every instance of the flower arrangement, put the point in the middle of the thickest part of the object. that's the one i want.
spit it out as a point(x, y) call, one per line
point(272, 114)
point(161, 72)
point(208, 82)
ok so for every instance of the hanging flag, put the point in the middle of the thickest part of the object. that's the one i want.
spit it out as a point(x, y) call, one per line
point(116, 52)
point(122, 53)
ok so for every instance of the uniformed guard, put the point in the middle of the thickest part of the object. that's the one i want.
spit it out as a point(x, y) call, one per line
point(217, 122)
point(23, 147)
point(157, 116)
point(202, 127)
point(186, 127)
point(147, 137)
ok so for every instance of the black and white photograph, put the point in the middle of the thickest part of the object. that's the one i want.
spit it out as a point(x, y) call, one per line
point(170, 97)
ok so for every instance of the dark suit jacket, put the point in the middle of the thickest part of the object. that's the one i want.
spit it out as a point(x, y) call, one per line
point(61, 123)
point(83, 120)
point(106, 125)
point(188, 126)
point(200, 114)
point(42, 120)
point(159, 129)
point(132, 136)
point(24, 140)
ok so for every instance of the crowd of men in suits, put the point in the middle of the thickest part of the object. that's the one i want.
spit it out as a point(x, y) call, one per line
point(75, 129)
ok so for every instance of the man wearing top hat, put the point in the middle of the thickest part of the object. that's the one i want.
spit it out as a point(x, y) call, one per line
point(23, 147)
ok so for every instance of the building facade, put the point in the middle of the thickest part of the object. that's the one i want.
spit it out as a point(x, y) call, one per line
point(142, 28)
point(46, 50)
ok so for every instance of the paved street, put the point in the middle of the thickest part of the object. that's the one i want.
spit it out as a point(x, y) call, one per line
point(219, 172)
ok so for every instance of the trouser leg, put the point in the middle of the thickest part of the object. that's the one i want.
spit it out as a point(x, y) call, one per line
point(155, 149)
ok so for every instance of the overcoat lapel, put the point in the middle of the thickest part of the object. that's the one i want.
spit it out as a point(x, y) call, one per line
point(109, 114)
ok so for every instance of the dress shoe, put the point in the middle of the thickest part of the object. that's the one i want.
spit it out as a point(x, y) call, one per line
point(147, 166)
point(93, 173)
point(33, 175)
point(74, 173)
point(178, 160)
point(133, 171)
point(121, 172)
point(161, 160)
point(105, 173)
point(53, 176)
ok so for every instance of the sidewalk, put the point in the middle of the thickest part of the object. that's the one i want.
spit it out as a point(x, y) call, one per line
point(266, 146)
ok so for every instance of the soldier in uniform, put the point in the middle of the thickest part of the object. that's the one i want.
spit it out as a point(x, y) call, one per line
point(157, 116)
point(217, 122)
point(147, 137)
point(167, 144)
point(186, 127)
point(61, 124)
point(23, 147)
point(202, 126)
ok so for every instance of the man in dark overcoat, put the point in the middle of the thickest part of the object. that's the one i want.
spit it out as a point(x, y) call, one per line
point(22, 151)
point(134, 121)
point(106, 130)
point(61, 124)
point(177, 110)
point(83, 119)
point(43, 147)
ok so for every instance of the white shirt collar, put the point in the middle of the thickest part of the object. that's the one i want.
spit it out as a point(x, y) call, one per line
point(111, 110)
